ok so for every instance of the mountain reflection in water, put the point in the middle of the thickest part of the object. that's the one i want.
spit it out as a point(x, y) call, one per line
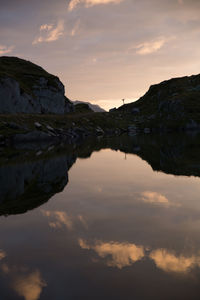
point(113, 228)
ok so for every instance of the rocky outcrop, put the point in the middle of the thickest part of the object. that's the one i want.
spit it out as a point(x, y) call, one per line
point(27, 88)
point(172, 103)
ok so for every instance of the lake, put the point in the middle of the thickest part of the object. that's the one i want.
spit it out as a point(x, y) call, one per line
point(115, 218)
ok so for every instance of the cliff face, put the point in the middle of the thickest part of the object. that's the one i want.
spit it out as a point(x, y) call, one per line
point(27, 88)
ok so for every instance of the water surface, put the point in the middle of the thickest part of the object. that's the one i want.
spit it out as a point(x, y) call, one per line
point(114, 219)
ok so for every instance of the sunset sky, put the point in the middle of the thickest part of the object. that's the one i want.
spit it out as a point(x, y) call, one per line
point(104, 50)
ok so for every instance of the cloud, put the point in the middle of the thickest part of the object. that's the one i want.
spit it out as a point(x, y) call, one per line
point(125, 254)
point(60, 219)
point(150, 47)
point(157, 198)
point(29, 286)
point(83, 221)
point(88, 3)
point(169, 262)
point(122, 254)
point(46, 27)
point(75, 28)
point(50, 33)
point(153, 197)
point(83, 244)
point(5, 49)
point(2, 254)
point(5, 268)
point(25, 283)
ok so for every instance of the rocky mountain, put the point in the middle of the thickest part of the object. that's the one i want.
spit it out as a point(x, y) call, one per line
point(28, 88)
point(93, 107)
point(174, 102)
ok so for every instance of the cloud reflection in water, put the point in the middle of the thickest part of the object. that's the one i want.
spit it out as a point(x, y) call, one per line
point(169, 262)
point(29, 286)
point(126, 254)
point(122, 254)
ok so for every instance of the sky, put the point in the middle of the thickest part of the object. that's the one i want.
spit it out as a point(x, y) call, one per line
point(104, 50)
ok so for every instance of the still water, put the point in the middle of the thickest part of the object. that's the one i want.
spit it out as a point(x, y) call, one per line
point(114, 219)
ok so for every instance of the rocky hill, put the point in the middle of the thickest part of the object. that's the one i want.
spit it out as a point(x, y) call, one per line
point(28, 88)
point(93, 107)
point(171, 103)
point(82, 107)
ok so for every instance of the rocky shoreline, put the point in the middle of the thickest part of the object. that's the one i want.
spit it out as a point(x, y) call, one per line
point(12, 132)
point(55, 129)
